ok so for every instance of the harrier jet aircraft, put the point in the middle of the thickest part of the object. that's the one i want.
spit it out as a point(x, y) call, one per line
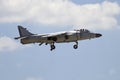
point(27, 37)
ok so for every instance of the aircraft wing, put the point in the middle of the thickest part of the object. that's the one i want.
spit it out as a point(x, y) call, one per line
point(54, 34)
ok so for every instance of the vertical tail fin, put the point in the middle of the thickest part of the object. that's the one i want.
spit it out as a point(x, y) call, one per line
point(24, 32)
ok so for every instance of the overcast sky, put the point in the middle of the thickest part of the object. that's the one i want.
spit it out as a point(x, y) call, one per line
point(95, 59)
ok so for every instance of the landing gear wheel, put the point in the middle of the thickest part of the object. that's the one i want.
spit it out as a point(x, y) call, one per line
point(75, 46)
point(52, 47)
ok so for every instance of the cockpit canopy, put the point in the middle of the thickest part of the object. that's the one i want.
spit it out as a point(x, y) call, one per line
point(83, 30)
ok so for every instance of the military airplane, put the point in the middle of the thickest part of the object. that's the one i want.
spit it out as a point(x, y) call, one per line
point(27, 37)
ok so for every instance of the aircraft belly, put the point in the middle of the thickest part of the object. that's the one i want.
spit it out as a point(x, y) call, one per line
point(27, 41)
point(63, 39)
point(32, 39)
point(59, 39)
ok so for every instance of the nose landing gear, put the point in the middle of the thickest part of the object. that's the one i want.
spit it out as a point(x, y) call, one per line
point(75, 46)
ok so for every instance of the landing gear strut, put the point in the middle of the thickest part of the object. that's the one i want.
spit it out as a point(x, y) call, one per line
point(52, 47)
point(75, 46)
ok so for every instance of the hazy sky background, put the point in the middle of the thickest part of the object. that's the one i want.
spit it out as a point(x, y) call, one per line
point(95, 59)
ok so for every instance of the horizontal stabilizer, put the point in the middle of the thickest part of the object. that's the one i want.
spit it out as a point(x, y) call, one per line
point(19, 38)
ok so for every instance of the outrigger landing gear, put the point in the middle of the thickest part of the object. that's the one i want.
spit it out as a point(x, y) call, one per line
point(52, 47)
point(40, 44)
point(75, 46)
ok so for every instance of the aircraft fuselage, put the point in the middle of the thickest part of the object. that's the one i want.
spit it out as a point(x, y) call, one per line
point(71, 36)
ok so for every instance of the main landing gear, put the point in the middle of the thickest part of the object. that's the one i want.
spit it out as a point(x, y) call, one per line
point(75, 46)
point(52, 46)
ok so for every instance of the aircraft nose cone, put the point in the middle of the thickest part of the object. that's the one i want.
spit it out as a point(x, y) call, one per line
point(98, 35)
